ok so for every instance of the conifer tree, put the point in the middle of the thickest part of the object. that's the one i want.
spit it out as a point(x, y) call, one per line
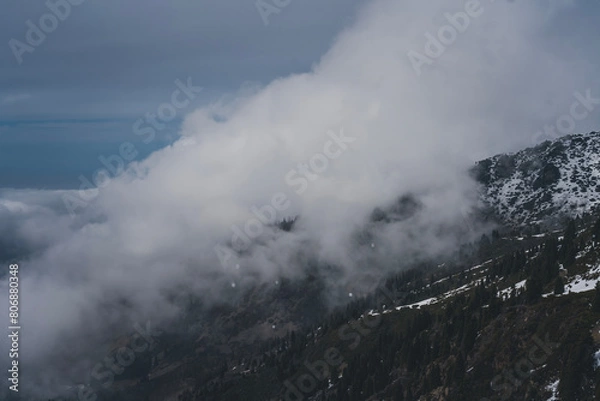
point(596, 232)
point(559, 286)
point(596, 302)
point(533, 289)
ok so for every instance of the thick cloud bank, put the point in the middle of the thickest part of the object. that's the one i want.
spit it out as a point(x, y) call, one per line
point(388, 111)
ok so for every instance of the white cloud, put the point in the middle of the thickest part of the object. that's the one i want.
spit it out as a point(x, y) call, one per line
point(148, 234)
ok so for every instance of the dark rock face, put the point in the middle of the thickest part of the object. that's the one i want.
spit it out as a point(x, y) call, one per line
point(482, 172)
point(405, 207)
point(549, 175)
point(505, 167)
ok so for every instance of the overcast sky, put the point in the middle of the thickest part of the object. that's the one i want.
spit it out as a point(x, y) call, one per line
point(76, 96)
point(319, 125)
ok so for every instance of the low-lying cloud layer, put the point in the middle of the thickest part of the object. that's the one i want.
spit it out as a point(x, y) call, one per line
point(365, 126)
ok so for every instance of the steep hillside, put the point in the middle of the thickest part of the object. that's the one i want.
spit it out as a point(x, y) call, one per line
point(520, 321)
point(546, 183)
point(513, 316)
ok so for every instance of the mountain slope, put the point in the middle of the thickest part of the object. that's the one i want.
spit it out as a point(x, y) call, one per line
point(545, 183)
point(513, 317)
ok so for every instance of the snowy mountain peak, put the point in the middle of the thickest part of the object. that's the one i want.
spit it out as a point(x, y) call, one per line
point(544, 184)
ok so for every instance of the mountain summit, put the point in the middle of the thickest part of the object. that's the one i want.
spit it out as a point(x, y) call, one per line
point(544, 184)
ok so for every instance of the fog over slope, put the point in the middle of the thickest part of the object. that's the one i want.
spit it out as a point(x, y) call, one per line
point(153, 231)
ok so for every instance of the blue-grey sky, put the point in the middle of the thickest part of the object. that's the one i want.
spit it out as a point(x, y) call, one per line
point(76, 96)
point(318, 125)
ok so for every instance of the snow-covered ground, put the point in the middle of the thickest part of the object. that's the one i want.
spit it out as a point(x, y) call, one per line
point(560, 178)
point(597, 359)
point(581, 283)
point(576, 284)
point(506, 292)
point(553, 387)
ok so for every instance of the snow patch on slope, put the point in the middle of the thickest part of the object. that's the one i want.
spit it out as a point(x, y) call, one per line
point(541, 184)
point(553, 387)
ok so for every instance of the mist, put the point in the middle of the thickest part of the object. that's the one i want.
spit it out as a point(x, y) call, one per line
point(364, 127)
